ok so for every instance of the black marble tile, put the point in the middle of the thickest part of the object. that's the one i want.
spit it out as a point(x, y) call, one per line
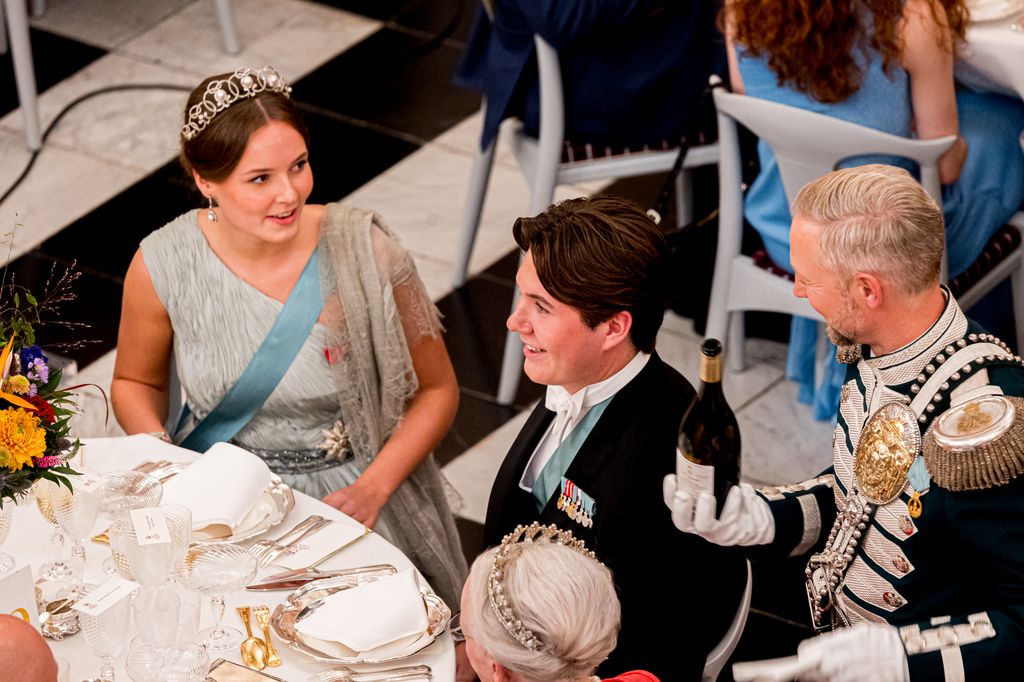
point(475, 321)
point(444, 19)
point(97, 304)
point(392, 84)
point(476, 418)
point(54, 59)
point(472, 535)
point(104, 240)
point(345, 156)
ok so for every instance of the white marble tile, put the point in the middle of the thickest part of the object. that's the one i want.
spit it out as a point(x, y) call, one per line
point(94, 417)
point(472, 473)
point(782, 442)
point(105, 23)
point(436, 276)
point(681, 349)
point(293, 35)
point(422, 199)
point(132, 128)
point(63, 186)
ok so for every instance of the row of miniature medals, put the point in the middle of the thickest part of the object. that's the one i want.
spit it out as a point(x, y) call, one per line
point(885, 460)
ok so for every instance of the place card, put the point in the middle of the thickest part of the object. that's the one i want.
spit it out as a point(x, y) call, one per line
point(18, 595)
point(150, 526)
point(105, 596)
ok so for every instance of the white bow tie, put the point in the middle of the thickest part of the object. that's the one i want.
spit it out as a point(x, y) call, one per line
point(566, 407)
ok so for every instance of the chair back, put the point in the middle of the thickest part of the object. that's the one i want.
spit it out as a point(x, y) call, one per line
point(808, 145)
point(719, 656)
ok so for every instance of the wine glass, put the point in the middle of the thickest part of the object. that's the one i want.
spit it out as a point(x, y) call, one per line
point(58, 570)
point(120, 492)
point(76, 513)
point(182, 662)
point(106, 634)
point(216, 570)
point(151, 564)
point(6, 560)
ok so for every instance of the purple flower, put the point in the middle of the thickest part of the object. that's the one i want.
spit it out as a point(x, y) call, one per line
point(37, 370)
point(29, 354)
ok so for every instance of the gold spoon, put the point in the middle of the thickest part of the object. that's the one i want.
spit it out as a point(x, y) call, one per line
point(263, 618)
point(254, 651)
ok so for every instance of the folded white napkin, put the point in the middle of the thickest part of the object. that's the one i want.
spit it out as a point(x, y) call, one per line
point(225, 489)
point(384, 613)
point(321, 543)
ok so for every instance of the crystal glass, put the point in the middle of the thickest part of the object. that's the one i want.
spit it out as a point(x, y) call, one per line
point(216, 570)
point(120, 492)
point(106, 634)
point(76, 513)
point(63, 670)
point(57, 570)
point(181, 662)
point(156, 612)
point(6, 514)
point(152, 564)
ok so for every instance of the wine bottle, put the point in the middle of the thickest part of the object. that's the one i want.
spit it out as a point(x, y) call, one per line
point(708, 458)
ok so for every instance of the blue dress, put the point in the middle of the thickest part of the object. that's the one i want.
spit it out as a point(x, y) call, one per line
point(990, 188)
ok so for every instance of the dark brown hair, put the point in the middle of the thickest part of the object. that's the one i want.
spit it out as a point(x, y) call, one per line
point(215, 151)
point(600, 256)
point(811, 45)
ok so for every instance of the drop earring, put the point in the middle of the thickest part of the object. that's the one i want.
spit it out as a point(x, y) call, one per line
point(211, 215)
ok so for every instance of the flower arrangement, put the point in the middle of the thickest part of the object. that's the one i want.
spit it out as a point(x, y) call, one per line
point(34, 412)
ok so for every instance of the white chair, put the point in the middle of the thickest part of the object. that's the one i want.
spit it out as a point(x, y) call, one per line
point(719, 656)
point(806, 146)
point(24, 72)
point(540, 160)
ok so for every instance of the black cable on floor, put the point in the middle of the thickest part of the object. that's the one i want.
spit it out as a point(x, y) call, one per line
point(71, 105)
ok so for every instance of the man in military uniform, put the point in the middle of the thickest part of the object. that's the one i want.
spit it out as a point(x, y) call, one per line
point(915, 535)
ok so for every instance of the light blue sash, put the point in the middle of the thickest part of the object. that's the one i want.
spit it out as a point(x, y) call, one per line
point(268, 365)
point(564, 454)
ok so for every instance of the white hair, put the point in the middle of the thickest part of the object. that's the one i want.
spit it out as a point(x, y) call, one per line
point(566, 599)
point(877, 219)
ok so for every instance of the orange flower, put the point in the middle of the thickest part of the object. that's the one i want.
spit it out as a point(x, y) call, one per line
point(21, 439)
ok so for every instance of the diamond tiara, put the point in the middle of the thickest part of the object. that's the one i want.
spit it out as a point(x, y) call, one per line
point(221, 94)
point(495, 590)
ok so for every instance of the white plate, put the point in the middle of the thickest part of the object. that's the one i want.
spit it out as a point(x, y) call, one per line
point(283, 620)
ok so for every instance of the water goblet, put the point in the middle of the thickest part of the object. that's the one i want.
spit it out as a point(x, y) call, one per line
point(181, 662)
point(6, 560)
point(120, 492)
point(151, 564)
point(58, 570)
point(156, 611)
point(216, 570)
point(76, 512)
point(106, 634)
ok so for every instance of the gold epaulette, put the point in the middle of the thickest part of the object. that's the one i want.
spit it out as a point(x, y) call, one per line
point(977, 445)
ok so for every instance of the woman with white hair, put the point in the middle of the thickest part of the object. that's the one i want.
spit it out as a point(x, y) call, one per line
point(540, 607)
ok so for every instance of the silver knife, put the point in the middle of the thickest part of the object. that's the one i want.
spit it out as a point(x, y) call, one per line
point(297, 572)
point(308, 575)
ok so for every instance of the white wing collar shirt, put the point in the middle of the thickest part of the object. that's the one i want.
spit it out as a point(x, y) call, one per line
point(570, 409)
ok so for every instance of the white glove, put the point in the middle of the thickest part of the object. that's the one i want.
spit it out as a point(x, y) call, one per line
point(863, 653)
point(746, 517)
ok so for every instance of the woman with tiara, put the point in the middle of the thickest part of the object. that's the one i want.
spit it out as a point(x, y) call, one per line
point(300, 332)
point(540, 608)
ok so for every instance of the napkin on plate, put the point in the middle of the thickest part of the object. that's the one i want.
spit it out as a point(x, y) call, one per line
point(321, 543)
point(371, 617)
point(225, 489)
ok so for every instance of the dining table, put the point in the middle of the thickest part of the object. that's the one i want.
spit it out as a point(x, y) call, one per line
point(28, 543)
point(992, 58)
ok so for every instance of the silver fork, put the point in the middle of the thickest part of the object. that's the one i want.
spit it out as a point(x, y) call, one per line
point(343, 673)
point(266, 551)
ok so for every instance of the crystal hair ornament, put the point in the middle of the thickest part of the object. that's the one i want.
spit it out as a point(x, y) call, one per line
point(507, 552)
point(220, 94)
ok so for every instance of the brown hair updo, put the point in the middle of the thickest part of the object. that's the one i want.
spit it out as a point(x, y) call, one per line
point(215, 151)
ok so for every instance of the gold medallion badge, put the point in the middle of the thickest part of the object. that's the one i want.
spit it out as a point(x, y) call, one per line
point(887, 448)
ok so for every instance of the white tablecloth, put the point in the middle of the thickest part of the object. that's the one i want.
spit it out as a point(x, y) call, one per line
point(993, 58)
point(28, 543)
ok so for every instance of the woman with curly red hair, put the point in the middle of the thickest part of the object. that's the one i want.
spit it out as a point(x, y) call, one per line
point(885, 64)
